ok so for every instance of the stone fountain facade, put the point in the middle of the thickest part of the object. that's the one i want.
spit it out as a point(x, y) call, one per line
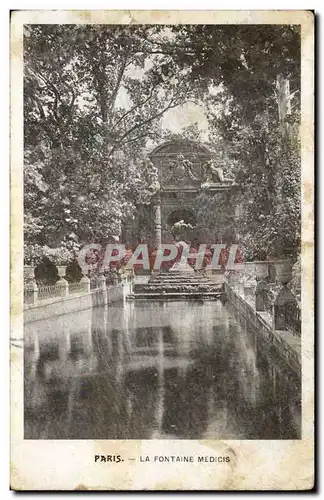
point(184, 168)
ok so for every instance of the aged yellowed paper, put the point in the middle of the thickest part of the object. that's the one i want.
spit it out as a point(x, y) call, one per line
point(162, 250)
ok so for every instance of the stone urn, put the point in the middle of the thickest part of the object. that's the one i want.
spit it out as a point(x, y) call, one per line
point(61, 271)
point(85, 270)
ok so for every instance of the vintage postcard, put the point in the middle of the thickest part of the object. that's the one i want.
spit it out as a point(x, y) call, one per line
point(162, 250)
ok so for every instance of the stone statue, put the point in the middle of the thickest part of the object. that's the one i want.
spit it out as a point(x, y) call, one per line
point(150, 167)
point(180, 228)
point(214, 174)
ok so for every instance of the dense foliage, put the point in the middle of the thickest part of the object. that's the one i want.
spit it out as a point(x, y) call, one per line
point(249, 80)
point(93, 96)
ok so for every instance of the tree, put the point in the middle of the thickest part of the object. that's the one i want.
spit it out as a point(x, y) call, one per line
point(246, 74)
point(94, 95)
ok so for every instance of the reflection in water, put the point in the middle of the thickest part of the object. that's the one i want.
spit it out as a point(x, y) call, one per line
point(156, 370)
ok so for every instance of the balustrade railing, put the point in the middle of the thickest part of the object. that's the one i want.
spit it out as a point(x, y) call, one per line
point(38, 291)
point(77, 287)
point(94, 283)
point(271, 295)
point(49, 291)
point(29, 297)
point(249, 294)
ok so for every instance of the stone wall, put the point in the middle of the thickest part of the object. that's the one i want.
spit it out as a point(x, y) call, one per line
point(285, 343)
point(58, 306)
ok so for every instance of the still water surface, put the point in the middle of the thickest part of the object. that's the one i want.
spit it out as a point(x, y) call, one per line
point(157, 370)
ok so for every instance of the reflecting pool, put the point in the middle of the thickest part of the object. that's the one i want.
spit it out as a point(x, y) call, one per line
point(156, 370)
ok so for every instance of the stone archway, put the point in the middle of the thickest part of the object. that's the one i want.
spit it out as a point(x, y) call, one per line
point(180, 169)
point(186, 216)
point(179, 214)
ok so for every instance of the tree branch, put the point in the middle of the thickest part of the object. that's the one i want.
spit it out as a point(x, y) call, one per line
point(293, 94)
point(54, 90)
point(141, 124)
point(137, 137)
point(74, 95)
point(136, 107)
point(148, 120)
point(40, 107)
point(175, 47)
point(117, 86)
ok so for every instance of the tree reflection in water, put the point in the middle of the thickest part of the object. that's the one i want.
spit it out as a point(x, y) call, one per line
point(156, 370)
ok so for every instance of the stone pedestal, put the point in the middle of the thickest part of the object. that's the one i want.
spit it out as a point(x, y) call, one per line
point(62, 283)
point(280, 271)
point(85, 281)
point(261, 296)
point(64, 287)
point(286, 311)
point(102, 282)
point(31, 291)
point(262, 269)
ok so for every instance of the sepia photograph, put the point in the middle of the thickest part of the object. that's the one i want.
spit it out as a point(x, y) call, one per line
point(163, 207)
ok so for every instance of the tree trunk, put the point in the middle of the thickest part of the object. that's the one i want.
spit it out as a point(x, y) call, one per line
point(284, 106)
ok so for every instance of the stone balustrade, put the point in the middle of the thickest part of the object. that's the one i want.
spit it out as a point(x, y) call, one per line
point(35, 293)
point(264, 286)
point(285, 342)
point(274, 270)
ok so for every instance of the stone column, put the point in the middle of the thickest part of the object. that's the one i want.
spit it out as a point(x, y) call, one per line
point(128, 228)
point(156, 210)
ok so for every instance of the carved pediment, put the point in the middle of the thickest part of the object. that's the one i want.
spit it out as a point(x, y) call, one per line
point(181, 169)
point(187, 165)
